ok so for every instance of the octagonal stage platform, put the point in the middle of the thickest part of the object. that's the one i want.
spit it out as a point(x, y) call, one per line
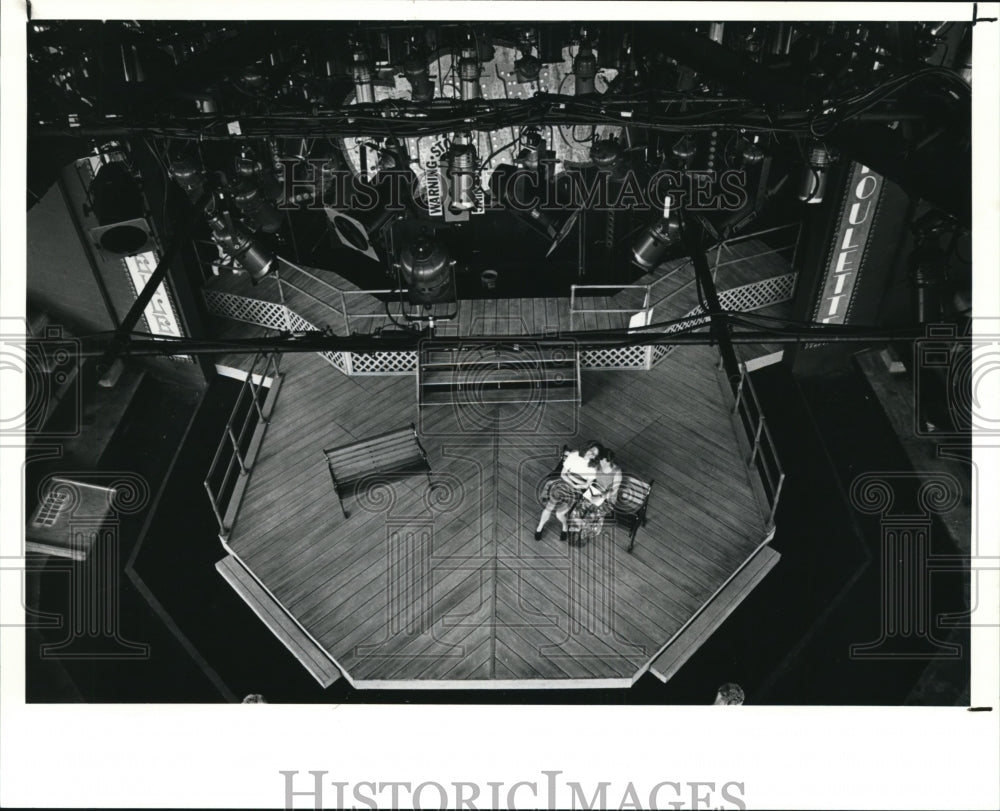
point(445, 586)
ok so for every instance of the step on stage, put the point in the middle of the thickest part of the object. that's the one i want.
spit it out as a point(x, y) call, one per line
point(444, 586)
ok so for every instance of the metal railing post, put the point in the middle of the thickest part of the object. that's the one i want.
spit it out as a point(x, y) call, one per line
point(236, 448)
point(255, 395)
point(756, 443)
point(215, 508)
point(795, 246)
point(777, 495)
point(739, 389)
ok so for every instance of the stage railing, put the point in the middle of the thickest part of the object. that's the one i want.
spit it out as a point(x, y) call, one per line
point(762, 455)
point(237, 449)
point(788, 235)
point(628, 300)
point(629, 357)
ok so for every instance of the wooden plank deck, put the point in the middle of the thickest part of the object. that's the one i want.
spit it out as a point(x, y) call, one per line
point(447, 586)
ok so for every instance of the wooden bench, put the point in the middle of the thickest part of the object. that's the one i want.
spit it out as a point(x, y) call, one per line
point(393, 452)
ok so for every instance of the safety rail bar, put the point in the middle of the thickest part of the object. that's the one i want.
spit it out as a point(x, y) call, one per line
point(763, 454)
point(574, 288)
point(234, 446)
point(344, 310)
point(727, 244)
point(283, 279)
point(348, 315)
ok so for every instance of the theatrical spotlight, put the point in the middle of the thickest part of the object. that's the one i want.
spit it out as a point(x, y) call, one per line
point(609, 156)
point(116, 201)
point(744, 152)
point(584, 67)
point(426, 267)
point(359, 229)
point(684, 151)
point(255, 192)
point(189, 176)
point(814, 176)
point(468, 71)
point(519, 193)
point(415, 71)
point(253, 257)
point(462, 173)
point(358, 222)
point(361, 72)
point(654, 242)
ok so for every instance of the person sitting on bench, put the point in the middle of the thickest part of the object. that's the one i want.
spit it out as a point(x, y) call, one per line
point(586, 518)
point(579, 470)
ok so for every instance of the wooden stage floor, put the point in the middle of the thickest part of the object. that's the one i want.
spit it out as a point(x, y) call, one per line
point(445, 586)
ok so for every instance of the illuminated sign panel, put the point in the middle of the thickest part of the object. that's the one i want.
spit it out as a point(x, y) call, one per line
point(160, 315)
point(850, 241)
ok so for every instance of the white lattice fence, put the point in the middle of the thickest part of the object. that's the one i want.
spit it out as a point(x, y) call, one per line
point(755, 295)
point(268, 314)
point(336, 359)
point(746, 298)
point(383, 363)
point(619, 357)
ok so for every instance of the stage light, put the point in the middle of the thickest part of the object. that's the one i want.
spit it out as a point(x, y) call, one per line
point(415, 71)
point(584, 68)
point(117, 204)
point(189, 176)
point(814, 176)
point(425, 265)
point(361, 72)
point(461, 173)
point(748, 152)
point(520, 193)
point(608, 156)
point(530, 156)
point(684, 151)
point(654, 242)
point(251, 202)
point(468, 72)
point(255, 259)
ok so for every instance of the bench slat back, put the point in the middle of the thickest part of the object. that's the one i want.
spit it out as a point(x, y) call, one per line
point(384, 452)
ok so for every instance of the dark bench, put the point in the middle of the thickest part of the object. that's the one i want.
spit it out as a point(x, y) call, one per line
point(629, 509)
point(393, 452)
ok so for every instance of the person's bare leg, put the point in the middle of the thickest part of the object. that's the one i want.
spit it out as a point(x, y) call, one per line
point(546, 515)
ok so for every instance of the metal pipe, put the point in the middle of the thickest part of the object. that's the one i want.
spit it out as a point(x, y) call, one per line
point(317, 341)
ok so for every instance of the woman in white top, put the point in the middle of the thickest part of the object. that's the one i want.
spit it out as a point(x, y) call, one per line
point(579, 470)
point(586, 519)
